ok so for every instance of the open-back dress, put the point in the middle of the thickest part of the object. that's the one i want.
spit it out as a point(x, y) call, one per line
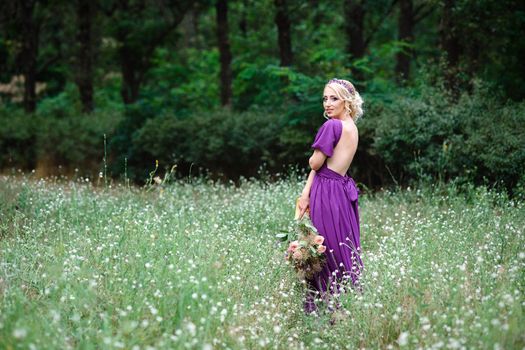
point(334, 213)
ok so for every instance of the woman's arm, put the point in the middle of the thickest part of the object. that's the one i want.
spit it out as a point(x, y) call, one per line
point(317, 160)
point(304, 199)
point(308, 185)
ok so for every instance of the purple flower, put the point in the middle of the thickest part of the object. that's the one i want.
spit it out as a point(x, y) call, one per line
point(347, 86)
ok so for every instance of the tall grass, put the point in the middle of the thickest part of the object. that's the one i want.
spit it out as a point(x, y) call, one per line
point(197, 266)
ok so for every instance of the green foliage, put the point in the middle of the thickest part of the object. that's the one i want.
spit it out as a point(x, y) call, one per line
point(17, 139)
point(75, 141)
point(56, 135)
point(183, 82)
point(494, 133)
point(489, 32)
point(121, 143)
point(69, 138)
point(409, 135)
point(479, 138)
point(221, 141)
point(259, 86)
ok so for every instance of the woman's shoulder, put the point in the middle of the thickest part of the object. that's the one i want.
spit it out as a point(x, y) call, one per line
point(349, 125)
point(331, 128)
point(350, 128)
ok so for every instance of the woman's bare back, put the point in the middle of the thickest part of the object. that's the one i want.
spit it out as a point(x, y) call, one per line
point(345, 149)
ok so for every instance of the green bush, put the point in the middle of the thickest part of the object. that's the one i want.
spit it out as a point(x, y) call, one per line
point(58, 134)
point(411, 135)
point(494, 139)
point(71, 139)
point(477, 138)
point(17, 139)
point(221, 141)
point(127, 158)
point(75, 141)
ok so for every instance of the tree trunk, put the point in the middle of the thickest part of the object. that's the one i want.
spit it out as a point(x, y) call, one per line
point(85, 14)
point(130, 69)
point(284, 33)
point(355, 33)
point(450, 43)
point(29, 53)
point(195, 28)
point(243, 23)
point(137, 43)
point(224, 50)
point(406, 35)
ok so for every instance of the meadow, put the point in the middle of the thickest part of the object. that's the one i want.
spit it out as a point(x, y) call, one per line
point(194, 264)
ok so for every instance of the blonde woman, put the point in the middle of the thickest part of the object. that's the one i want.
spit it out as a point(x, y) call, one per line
point(332, 196)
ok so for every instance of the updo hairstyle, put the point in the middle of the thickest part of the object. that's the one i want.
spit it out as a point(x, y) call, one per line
point(346, 91)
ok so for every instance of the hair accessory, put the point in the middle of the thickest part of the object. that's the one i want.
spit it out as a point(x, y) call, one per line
point(347, 86)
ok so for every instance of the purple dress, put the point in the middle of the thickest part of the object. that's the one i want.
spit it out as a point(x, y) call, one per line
point(334, 213)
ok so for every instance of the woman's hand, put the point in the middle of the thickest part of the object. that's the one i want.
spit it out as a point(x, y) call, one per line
point(303, 203)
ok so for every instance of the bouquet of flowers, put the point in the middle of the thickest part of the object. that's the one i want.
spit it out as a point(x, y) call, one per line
point(305, 252)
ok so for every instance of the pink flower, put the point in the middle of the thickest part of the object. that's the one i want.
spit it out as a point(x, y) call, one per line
point(293, 246)
point(318, 239)
point(298, 255)
point(321, 249)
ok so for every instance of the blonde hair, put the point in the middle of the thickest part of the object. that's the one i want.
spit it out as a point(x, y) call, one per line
point(346, 91)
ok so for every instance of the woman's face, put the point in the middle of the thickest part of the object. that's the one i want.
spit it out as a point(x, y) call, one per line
point(333, 105)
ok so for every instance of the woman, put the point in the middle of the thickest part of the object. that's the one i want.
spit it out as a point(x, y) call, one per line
point(332, 196)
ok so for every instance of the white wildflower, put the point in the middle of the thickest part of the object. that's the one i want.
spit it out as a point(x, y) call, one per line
point(403, 339)
point(20, 333)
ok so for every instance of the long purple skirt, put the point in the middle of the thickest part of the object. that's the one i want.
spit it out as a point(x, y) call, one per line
point(334, 213)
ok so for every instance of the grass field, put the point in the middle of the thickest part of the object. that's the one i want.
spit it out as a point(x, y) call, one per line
point(196, 266)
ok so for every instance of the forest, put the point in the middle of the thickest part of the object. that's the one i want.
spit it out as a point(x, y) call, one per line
point(231, 89)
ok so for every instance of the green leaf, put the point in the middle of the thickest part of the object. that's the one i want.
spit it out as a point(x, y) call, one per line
point(309, 225)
